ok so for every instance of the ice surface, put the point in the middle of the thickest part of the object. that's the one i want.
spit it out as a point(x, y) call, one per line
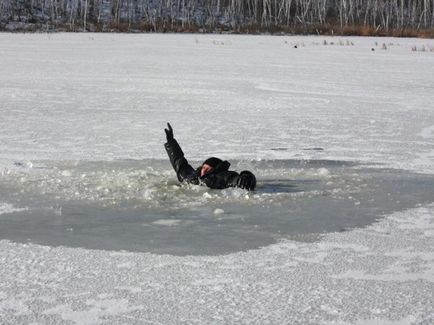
point(106, 97)
point(102, 97)
point(140, 206)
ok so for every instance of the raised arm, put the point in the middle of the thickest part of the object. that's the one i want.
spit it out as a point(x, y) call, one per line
point(183, 170)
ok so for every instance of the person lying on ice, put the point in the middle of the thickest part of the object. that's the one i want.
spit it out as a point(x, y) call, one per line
point(213, 173)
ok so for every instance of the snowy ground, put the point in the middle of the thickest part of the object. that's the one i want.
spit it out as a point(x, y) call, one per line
point(104, 97)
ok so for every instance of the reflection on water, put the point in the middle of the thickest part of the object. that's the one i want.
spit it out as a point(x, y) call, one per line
point(140, 206)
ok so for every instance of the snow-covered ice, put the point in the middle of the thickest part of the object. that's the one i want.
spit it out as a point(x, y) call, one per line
point(73, 101)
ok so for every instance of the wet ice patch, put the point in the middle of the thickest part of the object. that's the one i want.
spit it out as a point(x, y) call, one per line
point(140, 206)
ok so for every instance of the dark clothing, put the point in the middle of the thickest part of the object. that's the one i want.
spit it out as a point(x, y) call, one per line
point(221, 177)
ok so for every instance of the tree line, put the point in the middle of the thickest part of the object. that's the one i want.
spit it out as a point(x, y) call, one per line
point(317, 16)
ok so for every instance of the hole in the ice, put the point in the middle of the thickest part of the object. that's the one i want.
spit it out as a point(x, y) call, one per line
point(139, 205)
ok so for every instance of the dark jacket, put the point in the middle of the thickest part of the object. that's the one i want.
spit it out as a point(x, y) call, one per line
point(221, 177)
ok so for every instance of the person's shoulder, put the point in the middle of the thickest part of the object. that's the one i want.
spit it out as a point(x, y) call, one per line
point(223, 166)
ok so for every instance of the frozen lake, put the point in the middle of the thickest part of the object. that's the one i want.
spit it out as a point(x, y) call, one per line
point(136, 205)
point(94, 227)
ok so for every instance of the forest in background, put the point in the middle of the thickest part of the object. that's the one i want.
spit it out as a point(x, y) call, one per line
point(325, 17)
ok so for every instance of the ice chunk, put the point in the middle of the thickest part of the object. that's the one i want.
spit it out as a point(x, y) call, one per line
point(9, 208)
point(219, 211)
point(167, 222)
point(66, 173)
point(324, 172)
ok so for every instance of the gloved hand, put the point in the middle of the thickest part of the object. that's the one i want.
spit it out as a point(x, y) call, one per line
point(169, 133)
point(246, 181)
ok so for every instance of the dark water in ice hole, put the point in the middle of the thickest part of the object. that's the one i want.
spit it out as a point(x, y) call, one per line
point(139, 206)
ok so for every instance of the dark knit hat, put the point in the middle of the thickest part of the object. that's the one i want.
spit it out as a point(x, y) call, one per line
point(213, 162)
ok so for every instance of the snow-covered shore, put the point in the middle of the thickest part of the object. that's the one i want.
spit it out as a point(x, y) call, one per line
point(108, 97)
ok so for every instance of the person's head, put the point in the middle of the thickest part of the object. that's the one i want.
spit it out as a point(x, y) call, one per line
point(209, 165)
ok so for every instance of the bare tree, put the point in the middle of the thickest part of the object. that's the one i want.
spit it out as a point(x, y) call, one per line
point(235, 14)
